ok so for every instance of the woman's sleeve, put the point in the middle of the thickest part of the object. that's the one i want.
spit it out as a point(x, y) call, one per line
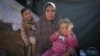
point(53, 37)
point(73, 41)
point(38, 31)
point(24, 34)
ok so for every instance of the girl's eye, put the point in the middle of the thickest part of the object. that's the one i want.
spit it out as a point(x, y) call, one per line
point(66, 27)
point(62, 27)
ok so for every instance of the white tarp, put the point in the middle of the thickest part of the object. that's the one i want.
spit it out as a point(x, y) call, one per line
point(10, 13)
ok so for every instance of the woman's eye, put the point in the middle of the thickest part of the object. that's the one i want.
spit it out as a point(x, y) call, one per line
point(52, 10)
point(47, 10)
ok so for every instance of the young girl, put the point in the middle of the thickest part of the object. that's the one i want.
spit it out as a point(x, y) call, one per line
point(62, 40)
point(28, 28)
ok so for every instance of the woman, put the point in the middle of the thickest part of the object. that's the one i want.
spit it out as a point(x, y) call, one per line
point(45, 27)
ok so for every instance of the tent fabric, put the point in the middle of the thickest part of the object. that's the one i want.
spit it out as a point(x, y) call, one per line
point(86, 18)
point(85, 14)
point(10, 13)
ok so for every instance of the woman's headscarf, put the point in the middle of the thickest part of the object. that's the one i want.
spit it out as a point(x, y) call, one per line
point(43, 18)
point(47, 4)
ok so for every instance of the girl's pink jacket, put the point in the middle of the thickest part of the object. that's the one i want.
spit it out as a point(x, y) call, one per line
point(63, 46)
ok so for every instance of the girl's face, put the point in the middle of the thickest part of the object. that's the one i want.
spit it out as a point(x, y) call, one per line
point(50, 12)
point(27, 15)
point(64, 29)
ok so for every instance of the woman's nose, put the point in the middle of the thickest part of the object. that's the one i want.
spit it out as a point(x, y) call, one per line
point(50, 13)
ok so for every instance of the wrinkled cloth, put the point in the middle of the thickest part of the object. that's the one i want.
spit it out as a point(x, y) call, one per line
point(61, 44)
point(44, 29)
point(28, 29)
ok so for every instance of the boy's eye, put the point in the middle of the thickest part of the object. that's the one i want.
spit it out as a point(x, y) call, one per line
point(26, 14)
point(29, 13)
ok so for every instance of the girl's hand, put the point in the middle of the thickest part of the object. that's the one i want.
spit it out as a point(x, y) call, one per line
point(57, 33)
point(69, 33)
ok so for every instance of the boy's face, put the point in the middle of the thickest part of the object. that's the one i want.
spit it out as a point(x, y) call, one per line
point(27, 15)
point(65, 29)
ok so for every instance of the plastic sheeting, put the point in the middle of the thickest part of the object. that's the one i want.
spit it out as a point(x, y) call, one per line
point(85, 14)
point(10, 13)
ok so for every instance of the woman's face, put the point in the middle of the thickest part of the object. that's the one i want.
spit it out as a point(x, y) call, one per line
point(64, 29)
point(27, 15)
point(50, 12)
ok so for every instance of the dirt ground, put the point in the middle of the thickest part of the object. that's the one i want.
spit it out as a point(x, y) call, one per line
point(12, 43)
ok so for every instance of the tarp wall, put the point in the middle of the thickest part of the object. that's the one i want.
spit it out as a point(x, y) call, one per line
point(85, 14)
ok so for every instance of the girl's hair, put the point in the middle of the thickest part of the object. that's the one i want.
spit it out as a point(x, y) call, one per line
point(23, 10)
point(67, 21)
point(48, 4)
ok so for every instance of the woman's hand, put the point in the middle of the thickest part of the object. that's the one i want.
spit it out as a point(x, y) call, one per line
point(27, 44)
